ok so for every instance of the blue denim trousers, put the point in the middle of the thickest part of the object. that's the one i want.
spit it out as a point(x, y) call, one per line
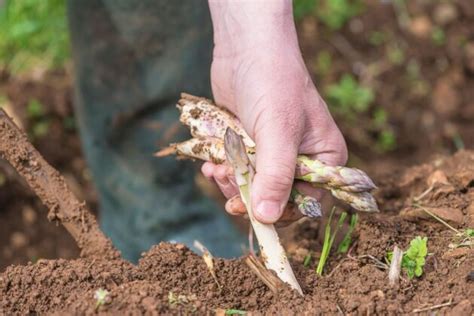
point(132, 58)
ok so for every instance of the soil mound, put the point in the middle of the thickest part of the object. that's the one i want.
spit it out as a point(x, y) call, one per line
point(171, 279)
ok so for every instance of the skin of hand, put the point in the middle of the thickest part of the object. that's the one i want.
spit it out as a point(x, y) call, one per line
point(258, 73)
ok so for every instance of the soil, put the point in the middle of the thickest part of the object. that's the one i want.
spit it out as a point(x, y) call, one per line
point(171, 278)
point(26, 233)
point(431, 117)
point(425, 87)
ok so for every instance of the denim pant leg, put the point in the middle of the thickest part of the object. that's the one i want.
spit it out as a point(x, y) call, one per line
point(132, 59)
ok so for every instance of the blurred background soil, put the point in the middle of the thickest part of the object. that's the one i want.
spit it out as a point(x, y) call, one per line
point(397, 75)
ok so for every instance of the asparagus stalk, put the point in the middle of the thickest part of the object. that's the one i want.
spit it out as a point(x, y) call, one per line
point(361, 201)
point(347, 179)
point(212, 149)
point(309, 170)
point(271, 250)
point(205, 119)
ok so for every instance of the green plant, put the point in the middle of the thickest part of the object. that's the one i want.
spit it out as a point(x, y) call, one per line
point(35, 109)
point(101, 297)
point(413, 258)
point(335, 13)
point(377, 38)
point(395, 55)
point(3, 100)
point(301, 8)
point(347, 240)
point(37, 114)
point(186, 301)
point(438, 36)
point(386, 140)
point(40, 129)
point(307, 259)
point(235, 312)
point(323, 63)
point(349, 97)
point(33, 32)
point(329, 239)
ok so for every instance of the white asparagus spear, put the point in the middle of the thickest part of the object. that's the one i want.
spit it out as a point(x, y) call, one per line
point(271, 249)
point(212, 149)
point(205, 119)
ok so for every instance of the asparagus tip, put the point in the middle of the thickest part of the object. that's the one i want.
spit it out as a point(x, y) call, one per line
point(235, 148)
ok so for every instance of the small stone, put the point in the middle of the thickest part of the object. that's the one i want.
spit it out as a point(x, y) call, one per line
point(421, 26)
point(18, 240)
point(149, 303)
point(377, 293)
point(452, 215)
point(29, 215)
point(456, 253)
point(446, 100)
point(437, 177)
point(462, 308)
point(470, 276)
point(180, 246)
point(300, 254)
point(445, 13)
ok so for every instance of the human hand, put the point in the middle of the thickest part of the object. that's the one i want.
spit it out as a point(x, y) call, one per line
point(258, 73)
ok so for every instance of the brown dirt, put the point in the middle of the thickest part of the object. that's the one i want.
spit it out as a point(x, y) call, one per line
point(352, 283)
point(26, 234)
point(427, 94)
point(427, 115)
point(53, 191)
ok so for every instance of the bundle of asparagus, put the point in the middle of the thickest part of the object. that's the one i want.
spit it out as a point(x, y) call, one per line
point(208, 124)
point(218, 136)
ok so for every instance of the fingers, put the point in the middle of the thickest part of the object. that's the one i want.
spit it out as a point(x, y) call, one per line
point(236, 207)
point(223, 176)
point(275, 168)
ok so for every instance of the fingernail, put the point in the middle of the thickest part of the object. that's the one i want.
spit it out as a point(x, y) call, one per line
point(235, 206)
point(268, 211)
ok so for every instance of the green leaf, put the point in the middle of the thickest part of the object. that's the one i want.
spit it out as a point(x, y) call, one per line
point(336, 13)
point(301, 8)
point(35, 109)
point(235, 312)
point(413, 259)
point(348, 97)
point(307, 259)
point(346, 242)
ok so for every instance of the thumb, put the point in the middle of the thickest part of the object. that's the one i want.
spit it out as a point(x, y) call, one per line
point(277, 148)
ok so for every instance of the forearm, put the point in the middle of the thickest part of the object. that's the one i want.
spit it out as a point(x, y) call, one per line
point(246, 24)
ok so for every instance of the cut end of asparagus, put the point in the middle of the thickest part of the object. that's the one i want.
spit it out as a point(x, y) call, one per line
point(168, 151)
point(208, 149)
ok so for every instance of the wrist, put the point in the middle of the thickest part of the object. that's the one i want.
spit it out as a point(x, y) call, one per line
point(242, 25)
